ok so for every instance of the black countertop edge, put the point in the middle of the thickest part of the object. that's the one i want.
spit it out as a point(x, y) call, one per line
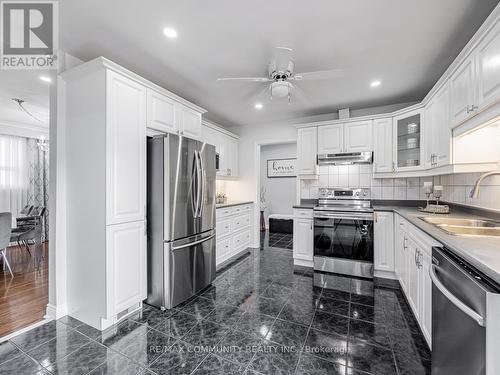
point(455, 208)
point(307, 204)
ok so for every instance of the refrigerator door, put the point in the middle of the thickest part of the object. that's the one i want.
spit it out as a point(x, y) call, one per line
point(192, 267)
point(182, 187)
point(206, 212)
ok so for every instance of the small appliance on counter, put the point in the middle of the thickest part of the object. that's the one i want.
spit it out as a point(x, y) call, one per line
point(343, 232)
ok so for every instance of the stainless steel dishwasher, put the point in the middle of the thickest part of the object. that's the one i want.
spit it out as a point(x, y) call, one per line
point(460, 296)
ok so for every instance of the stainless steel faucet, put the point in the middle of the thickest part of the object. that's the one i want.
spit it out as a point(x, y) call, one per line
point(474, 193)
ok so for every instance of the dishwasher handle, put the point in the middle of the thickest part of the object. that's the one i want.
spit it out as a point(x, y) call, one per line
point(459, 304)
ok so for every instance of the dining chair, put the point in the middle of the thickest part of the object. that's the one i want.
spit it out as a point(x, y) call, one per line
point(5, 230)
point(26, 210)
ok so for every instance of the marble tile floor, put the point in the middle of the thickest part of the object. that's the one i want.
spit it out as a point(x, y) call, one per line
point(279, 240)
point(260, 316)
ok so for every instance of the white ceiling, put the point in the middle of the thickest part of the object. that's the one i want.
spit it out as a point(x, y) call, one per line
point(25, 85)
point(407, 44)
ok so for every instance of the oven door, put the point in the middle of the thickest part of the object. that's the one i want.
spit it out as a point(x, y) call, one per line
point(344, 235)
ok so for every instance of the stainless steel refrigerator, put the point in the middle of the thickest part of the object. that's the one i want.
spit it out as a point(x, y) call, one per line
point(180, 218)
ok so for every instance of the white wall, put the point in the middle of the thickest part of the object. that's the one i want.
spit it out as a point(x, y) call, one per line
point(280, 193)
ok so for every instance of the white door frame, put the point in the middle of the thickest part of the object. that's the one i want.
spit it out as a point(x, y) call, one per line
point(256, 215)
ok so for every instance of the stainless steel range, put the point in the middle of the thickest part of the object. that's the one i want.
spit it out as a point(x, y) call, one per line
point(343, 232)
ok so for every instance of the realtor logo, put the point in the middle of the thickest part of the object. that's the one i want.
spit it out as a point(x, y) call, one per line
point(28, 38)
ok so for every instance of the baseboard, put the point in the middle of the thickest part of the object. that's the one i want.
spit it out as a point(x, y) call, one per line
point(303, 263)
point(56, 312)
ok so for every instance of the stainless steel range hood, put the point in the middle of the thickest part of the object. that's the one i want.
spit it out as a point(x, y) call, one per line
point(346, 158)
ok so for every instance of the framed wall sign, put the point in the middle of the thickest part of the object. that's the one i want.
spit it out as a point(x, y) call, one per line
point(281, 168)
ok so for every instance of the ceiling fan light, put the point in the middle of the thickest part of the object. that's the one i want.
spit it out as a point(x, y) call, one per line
point(280, 89)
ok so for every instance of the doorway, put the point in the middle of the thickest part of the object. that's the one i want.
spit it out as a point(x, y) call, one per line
point(24, 198)
point(277, 193)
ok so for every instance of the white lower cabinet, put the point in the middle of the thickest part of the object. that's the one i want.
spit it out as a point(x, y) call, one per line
point(303, 237)
point(413, 260)
point(233, 231)
point(126, 283)
point(383, 256)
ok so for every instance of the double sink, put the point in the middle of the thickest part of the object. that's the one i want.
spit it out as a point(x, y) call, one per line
point(467, 227)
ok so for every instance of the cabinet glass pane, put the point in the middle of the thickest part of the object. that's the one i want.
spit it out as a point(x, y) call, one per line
point(409, 141)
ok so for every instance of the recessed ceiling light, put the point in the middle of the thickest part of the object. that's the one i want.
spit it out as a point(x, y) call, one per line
point(170, 33)
point(259, 106)
point(46, 79)
point(375, 83)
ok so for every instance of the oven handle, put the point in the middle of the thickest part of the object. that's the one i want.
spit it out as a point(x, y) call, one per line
point(459, 304)
point(357, 216)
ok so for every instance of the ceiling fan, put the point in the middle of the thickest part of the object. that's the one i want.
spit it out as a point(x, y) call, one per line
point(280, 75)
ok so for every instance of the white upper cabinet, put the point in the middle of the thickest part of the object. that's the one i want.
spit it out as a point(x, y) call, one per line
point(462, 92)
point(232, 162)
point(161, 112)
point(188, 121)
point(226, 146)
point(488, 68)
point(407, 148)
point(125, 149)
point(330, 139)
point(382, 145)
point(307, 153)
point(358, 136)
point(438, 130)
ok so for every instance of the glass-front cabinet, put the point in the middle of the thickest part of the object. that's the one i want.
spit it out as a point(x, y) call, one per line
point(408, 141)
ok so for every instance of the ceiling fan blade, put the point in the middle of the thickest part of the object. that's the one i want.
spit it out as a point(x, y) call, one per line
point(256, 97)
point(320, 74)
point(297, 94)
point(247, 79)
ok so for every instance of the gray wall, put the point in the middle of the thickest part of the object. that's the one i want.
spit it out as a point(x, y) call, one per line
point(280, 192)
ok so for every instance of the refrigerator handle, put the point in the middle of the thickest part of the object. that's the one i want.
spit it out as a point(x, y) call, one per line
point(189, 244)
point(202, 184)
point(198, 183)
point(194, 186)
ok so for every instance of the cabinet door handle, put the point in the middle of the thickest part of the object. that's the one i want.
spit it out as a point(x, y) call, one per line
point(415, 258)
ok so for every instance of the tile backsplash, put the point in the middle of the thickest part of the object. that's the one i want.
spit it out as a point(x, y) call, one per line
point(456, 188)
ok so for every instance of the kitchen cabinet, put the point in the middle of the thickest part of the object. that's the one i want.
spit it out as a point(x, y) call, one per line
point(307, 151)
point(303, 237)
point(413, 259)
point(227, 146)
point(233, 232)
point(126, 266)
point(383, 235)
point(488, 68)
point(349, 137)
point(106, 120)
point(437, 129)
point(161, 112)
point(382, 145)
point(358, 136)
point(407, 139)
point(188, 121)
point(330, 139)
point(462, 91)
point(125, 150)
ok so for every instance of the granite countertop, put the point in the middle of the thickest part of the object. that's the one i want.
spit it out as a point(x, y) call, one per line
point(232, 203)
point(481, 252)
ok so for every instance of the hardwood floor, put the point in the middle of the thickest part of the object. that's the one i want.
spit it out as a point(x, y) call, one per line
point(23, 298)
